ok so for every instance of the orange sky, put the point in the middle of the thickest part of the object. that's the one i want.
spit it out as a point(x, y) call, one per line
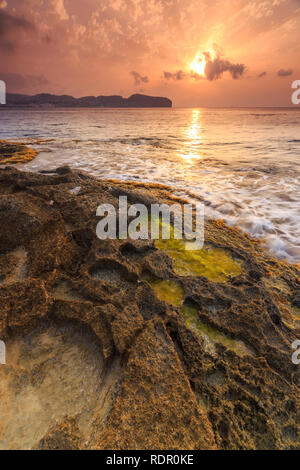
point(93, 47)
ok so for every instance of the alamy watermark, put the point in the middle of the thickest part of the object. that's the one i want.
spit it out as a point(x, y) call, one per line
point(178, 222)
point(296, 354)
point(296, 93)
point(2, 353)
point(2, 92)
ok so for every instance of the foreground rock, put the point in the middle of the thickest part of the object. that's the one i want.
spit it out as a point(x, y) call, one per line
point(117, 345)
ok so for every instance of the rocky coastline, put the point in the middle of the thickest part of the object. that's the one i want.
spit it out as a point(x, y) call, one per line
point(111, 345)
point(15, 153)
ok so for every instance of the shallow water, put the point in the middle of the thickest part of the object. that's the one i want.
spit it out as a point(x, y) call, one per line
point(244, 163)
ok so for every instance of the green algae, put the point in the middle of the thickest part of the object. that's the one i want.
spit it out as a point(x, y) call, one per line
point(215, 264)
point(211, 335)
point(168, 291)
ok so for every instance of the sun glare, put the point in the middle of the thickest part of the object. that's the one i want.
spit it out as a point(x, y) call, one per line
point(198, 64)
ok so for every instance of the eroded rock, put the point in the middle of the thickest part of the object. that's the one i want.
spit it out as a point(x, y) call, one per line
point(99, 358)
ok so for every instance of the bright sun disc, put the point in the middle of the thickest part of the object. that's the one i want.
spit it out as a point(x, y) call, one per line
point(198, 65)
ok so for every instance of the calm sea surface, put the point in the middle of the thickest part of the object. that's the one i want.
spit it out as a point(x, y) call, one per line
point(244, 163)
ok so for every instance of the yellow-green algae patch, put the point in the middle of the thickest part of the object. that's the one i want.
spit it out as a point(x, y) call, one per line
point(15, 153)
point(168, 291)
point(215, 264)
point(212, 335)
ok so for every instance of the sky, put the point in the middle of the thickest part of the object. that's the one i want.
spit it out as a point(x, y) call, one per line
point(196, 52)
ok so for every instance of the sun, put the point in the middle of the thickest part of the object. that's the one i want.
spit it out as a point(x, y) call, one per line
point(198, 65)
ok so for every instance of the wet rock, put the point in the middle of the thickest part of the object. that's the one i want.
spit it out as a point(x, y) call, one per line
point(15, 153)
point(167, 417)
point(65, 436)
point(125, 327)
point(112, 346)
point(296, 300)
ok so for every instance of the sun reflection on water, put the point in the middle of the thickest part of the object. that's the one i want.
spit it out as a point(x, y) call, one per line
point(193, 137)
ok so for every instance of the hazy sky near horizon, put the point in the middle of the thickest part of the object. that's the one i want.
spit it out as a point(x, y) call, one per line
point(196, 52)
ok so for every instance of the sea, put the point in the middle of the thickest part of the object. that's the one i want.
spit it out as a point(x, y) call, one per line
point(242, 163)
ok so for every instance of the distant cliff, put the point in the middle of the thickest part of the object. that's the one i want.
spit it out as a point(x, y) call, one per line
point(66, 101)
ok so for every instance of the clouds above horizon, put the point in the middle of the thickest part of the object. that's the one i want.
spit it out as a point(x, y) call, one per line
point(114, 46)
point(139, 79)
point(179, 75)
point(17, 83)
point(214, 70)
point(285, 72)
point(11, 27)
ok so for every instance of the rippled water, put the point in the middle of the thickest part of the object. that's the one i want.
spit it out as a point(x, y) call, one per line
point(244, 163)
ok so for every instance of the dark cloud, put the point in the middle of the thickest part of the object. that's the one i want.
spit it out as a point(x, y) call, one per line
point(10, 27)
point(17, 83)
point(139, 79)
point(179, 75)
point(47, 39)
point(262, 74)
point(215, 68)
point(285, 72)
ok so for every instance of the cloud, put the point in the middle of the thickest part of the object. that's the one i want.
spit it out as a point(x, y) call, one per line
point(285, 72)
point(58, 7)
point(17, 83)
point(215, 68)
point(10, 26)
point(119, 36)
point(179, 75)
point(139, 79)
point(196, 76)
point(262, 74)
